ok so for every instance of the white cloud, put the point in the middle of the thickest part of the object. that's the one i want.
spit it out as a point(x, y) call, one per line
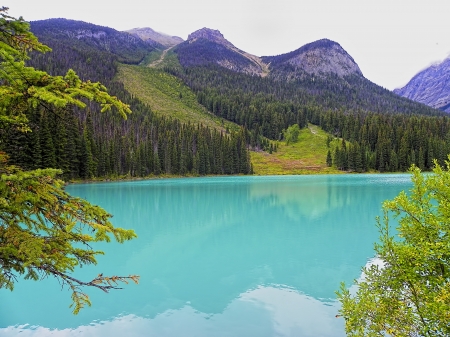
point(264, 311)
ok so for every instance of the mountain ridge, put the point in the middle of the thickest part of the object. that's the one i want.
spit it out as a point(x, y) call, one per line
point(430, 86)
point(125, 46)
point(319, 58)
point(375, 123)
point(216, 49)
point(147, 33)
point(316, 58)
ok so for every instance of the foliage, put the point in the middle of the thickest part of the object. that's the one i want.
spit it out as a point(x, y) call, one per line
point(25, 87)
point(383, 131)
point(291, 134)
point(408, 294)
point(167, 95)
point(152, 141)
point(307, 156)
point(43, 230)
point(390, 132)
point(88, 144)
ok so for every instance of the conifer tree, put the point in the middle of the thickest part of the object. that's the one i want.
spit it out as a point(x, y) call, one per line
point(42, 228)
point(329, 159)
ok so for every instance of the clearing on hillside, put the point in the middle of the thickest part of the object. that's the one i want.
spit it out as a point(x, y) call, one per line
point(307, 156)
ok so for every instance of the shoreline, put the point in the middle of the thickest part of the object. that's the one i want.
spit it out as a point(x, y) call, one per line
point(173, 176)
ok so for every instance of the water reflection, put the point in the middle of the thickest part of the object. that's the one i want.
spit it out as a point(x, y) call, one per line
point(210, 251)
point(264, 311)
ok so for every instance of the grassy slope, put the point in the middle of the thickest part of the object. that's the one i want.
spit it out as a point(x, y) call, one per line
point(161, 91)
point(152, 57)
point(307, 156)
point(167, 95)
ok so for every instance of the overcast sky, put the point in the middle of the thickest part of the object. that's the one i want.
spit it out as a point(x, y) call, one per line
point(391, 40)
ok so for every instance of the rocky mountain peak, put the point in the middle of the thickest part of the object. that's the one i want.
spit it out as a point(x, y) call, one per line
point(318, 58)
point(148, 33)
point(431, 86)
point(211, 35)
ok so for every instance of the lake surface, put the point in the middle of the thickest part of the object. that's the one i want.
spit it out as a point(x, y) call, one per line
point(222, 256)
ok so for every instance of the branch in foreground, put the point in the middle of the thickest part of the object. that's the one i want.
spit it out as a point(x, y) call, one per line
point(79, 298)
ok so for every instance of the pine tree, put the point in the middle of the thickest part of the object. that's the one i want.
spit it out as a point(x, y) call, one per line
point(44, 231)
point(48, 155)
point(329, 159)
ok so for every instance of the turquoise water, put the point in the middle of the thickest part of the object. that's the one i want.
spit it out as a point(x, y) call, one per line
point(222, 256)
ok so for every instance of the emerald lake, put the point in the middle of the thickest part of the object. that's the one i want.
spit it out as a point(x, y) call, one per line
point(220, 256)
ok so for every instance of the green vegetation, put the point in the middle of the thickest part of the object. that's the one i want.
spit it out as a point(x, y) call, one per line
point(151, 57)
point(168, 96)
point(408, 292)
point(387, 133)
point(43, 230)
point(170, 61)
point(291, 134)
point(86, 144)
point(306, 156)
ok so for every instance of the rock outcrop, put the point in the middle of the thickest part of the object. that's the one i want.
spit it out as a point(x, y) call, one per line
point(321, 57)
point(209, 46)
point(431, 86)
point(161, 38)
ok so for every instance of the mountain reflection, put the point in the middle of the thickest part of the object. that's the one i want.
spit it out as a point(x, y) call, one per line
point(212, 252)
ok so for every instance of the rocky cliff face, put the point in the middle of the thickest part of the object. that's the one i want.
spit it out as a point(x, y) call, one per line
point(161, 38)
point(208, 46)
point(321, 57)
point(431, 86)
point(210, 35)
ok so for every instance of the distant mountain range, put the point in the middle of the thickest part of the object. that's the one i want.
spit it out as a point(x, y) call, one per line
point(317, 58)
point(320, 58)
point(126, 47)
point(430, 86)
point(321, 72)
point(148, 34)
point(258, 97)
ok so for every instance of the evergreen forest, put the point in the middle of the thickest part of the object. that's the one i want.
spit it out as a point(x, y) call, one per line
point(379, 130)
point(86, 143)
point(373, 129)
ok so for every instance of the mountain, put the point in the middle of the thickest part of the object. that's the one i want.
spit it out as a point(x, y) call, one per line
point(85, 143)
point(321, 58)
point(211, 35)
point(148, 34)
point(125, 46)
point(320, 74)
point(317, 84)
point(208, 47)
point(431, 86)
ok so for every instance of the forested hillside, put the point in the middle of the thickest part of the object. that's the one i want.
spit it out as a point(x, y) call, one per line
point(91, 144)
point(382, 131)
point(372, 128)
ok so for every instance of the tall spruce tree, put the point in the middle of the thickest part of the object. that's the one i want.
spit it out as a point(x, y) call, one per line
point(42, 228)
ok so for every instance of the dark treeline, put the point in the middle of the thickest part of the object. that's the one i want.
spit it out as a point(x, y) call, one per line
point(383, 131)
point(386, 142)
point(86, 143)
point(90, 144)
